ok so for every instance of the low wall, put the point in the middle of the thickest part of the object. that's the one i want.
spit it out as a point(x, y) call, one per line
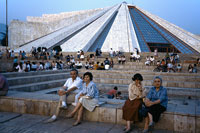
point(181, 122)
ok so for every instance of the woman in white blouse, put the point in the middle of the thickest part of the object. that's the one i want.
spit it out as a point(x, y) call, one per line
point(19, 67)
point(134, 102)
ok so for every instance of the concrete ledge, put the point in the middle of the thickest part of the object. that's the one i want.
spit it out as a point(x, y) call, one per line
point(175, 117)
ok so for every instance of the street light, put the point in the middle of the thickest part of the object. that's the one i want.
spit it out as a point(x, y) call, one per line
point(6, 23)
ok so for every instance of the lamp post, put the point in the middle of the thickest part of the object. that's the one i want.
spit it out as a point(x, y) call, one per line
point(6, 23)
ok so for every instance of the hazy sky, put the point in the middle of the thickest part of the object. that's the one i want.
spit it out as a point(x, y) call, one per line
point(183, 13)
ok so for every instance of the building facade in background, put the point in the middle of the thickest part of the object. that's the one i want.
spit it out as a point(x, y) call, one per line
point(121, 27)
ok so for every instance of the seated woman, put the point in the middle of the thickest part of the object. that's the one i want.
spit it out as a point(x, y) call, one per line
point(78, 65)
point(96, 65)
point(132, 57)
point(190, 68)
point(170, 67)
point(91, 66)
point(147, 62)
point(101, 67)
point(134, 102)
point(156, 103)
point(194, 70)
point(198, 62)
point(86, 65)
point(119, 59)
point(179, 68)
point(88, 98)
point(123, 59)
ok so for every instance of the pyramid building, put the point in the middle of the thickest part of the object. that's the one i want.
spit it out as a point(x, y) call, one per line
point(122, 27)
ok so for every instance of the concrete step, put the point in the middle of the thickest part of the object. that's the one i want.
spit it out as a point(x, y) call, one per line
point(17, 74)
point(173, 92)
point(144, 67)
point(125, 67)
point(147, 76)
point(36, 78)
point(38, 86)
point(182, 84)
point(181, 115)
point(55, 76)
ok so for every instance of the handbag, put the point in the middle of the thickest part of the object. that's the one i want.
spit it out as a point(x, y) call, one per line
point(143, 111)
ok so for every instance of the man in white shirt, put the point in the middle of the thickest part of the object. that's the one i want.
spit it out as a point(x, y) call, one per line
point(138, 58)
point(152, 60)
point(73, 84)
point(111, 52)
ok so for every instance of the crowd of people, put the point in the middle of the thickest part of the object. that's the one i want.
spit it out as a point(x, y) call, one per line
point(170, 63)
point(54, 60)
point(135, 56)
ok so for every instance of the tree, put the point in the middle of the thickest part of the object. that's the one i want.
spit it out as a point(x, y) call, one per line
point(3, 41)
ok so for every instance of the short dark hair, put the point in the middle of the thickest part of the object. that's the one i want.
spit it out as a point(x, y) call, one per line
point(119, 93)
point(115, 88)
point(73, 69)
point(137, 76)
point(89, 74)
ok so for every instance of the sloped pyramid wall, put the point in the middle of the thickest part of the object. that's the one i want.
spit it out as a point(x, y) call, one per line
point(76, 31)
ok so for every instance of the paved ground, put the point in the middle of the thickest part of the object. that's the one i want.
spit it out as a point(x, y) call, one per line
point(27, 123)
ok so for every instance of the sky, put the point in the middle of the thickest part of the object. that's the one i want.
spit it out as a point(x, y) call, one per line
point(183, 13)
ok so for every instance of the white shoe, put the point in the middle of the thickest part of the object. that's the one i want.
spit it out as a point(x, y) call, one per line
point(63, 107)
point(74, 104)
point(52, 119)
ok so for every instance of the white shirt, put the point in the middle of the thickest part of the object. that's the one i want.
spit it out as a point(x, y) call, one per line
point(24, 66)
point(77, 83)
point(151, 58)
point(41, 67)
point(80, 64)
point(169, 65)
point(34, 66)
point(19, 68)
point(138, 56)
point(111, 52)
point(132, 55)
point(147, 58)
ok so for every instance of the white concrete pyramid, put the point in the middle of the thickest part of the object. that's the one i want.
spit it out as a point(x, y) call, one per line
point(80, 30)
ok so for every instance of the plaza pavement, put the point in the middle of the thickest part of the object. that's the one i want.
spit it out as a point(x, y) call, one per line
point(28, 123)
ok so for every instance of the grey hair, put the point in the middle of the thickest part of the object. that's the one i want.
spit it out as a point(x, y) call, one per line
point(157, 77)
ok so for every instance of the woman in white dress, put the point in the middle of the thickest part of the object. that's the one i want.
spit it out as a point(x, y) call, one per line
point(88, 98)
point(20, 67)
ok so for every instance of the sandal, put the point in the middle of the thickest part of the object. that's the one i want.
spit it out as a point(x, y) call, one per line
point(77, 123)
point(145, 131)
point(127, 131)
point(69, 116)
point(124, 129)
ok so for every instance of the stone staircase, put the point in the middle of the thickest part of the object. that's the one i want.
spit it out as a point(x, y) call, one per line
point(35, 93)
point(35, 81)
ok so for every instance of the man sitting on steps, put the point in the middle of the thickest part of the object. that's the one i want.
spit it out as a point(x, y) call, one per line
point(3, 86)
point(73, 84)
